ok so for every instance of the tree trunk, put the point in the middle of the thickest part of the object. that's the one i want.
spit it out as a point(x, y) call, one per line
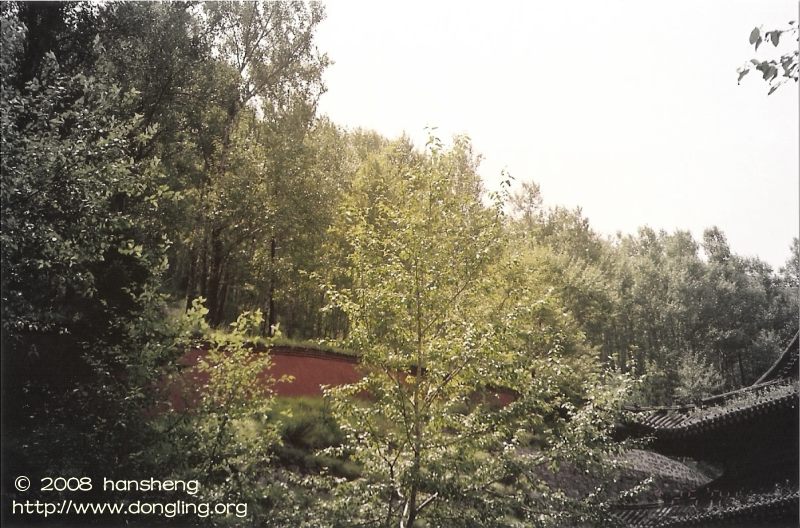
point(191, 280)
point(215, 279)
point(272, 318)
point(741, 367)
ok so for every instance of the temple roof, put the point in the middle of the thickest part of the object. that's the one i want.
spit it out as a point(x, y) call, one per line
point(752, 433)
point(720, 412)
point(777, 507)
point(676, 474)
point(775, 390)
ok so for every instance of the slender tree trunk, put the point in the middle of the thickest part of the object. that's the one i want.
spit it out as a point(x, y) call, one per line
point(741, 366)
point(191, 280)
point(416, 469)
point(203, 267)
point(197, 245)
point(318, 325)
point(223, 299)
point(272, 317)
point(215, 278)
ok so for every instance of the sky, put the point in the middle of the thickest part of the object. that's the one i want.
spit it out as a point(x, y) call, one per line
point(628, 109)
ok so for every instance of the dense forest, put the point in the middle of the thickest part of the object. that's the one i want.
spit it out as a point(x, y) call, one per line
point(167, 180)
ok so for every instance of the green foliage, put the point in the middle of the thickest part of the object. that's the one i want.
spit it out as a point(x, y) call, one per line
point(225, 439)
point(307, 423)
point(698, 378)
point(791, 271)
point(651, 299)
point(67, 156)
point(779, 70)
point(440, 343)
point(307, 427)
point(82, 258)
point(158, 152)
point(87, 204)
point(259, 94)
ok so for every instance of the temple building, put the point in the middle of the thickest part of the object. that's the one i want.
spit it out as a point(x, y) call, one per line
point(747, 440)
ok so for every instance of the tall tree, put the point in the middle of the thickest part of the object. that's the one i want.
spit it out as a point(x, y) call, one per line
point(440, 341)
point(267, 51)
point(82, 247)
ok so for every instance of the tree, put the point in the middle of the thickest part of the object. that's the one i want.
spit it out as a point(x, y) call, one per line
point(791, 270)
point(267, 53)
point(83, 250)
point(225, 439)
point(229, 90)
point(697, 378)
point(577, 263)
point(440, 342)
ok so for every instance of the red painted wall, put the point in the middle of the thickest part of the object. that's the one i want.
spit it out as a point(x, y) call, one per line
point(310, 368)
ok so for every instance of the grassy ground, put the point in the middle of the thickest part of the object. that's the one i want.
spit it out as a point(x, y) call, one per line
point(306, 426)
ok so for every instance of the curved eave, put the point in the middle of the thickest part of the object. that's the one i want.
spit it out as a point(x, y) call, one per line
point(786, 365)
point(684, 426)
point(759, 508)
point(678, 421)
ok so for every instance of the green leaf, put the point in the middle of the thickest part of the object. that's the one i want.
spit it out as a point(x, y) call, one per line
point(775, 36)
point(755, 35)
point(742, 73)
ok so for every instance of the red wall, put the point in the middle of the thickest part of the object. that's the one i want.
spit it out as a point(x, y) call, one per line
point(310, 368)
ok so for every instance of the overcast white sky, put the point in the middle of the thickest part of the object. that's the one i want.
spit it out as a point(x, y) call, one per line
point(629, 109)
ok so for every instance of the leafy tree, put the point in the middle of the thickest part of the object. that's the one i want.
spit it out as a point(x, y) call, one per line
point(309, 204)
point(439, 342)
point(573, 259)
point(791, 270)
point(226, 439)
point(82, 252)
point(697, 378)
point(230, 103)
point(747, 301)
point(267, 53)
